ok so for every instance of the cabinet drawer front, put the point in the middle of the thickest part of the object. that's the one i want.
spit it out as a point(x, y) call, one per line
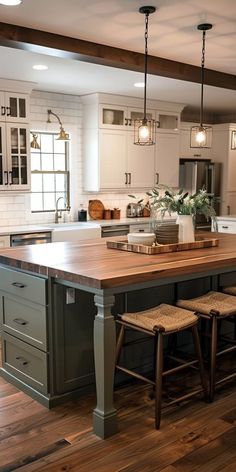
point(140, 228)
point(23, 285)
point(25, 320)
point(227, 227)
point(25, 362)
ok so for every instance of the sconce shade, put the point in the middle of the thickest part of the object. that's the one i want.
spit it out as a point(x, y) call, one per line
point(63, 136)
point(201, 136)
point(145, 129)
point(34, 143)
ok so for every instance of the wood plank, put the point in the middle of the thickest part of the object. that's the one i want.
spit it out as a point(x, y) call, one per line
point(94, 265)
point(77, 49)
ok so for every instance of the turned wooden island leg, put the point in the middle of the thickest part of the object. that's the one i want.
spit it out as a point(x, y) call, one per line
point(104, 415)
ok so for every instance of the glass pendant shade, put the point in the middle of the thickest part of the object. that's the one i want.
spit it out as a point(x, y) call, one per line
point(145, 129)
point(144, 132)
point(201, 136)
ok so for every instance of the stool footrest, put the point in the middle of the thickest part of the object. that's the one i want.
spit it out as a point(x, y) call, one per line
point(134, 374)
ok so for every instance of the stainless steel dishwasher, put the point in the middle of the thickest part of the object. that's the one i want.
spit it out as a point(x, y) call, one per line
point(114, 230)
point(30, 238)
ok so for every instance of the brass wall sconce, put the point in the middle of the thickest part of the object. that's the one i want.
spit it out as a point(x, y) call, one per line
point(34, 143)
point(63, 136)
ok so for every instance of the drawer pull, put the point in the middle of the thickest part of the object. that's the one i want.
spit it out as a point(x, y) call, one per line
point(22, 360)
point(225, 227)
point(18, 284)
point(20, 321)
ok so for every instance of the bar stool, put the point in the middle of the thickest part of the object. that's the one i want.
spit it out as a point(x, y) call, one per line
point(213, 306)
point(158, 322)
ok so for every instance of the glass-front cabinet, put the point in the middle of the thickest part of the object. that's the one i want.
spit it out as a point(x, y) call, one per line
point(14, 150)
point(168, 121)
point(13, 107)
point(117, 117)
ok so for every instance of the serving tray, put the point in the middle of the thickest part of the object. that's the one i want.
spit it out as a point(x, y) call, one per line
point(200, 243)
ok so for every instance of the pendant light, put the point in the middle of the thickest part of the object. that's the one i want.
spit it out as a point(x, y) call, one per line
point(144, 129)
point(63, 136)
point(201, 135)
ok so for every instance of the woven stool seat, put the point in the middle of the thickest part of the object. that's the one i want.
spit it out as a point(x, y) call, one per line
point(216, 302)
point(164, 317)
point(230, 290)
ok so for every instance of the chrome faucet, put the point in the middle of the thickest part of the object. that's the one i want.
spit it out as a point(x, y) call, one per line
point(58, 213)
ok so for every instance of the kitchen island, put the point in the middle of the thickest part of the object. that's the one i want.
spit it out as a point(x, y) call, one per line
point(105, 273)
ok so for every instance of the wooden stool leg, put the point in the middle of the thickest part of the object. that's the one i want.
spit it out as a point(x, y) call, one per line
point(213, 357)
point(198, 352)
point(158, 378)
point(120, 343)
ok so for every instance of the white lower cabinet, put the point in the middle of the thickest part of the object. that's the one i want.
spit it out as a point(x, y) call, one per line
point(167, 159)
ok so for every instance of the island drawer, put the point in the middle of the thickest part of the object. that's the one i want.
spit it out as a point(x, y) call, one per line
point(23, 285)
point(24, 319)
point(25, 362)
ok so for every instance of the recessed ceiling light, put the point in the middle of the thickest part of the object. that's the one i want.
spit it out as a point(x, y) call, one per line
point(10, 3)
point(40, 67)
point(139, 84)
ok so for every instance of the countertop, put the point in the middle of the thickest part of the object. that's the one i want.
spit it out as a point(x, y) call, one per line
point(92, 264)
point(226, 218)
point(7, 230)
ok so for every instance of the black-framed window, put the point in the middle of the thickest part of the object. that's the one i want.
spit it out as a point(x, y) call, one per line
point(49, 173)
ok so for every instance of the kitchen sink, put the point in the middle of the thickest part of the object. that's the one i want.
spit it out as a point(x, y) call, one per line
point(75, 232)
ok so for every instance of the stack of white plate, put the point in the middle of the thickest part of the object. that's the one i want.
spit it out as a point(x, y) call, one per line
point(141, 238)
point(167, 233)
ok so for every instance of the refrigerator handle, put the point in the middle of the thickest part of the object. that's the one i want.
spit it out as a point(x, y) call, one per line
point(194, 186)
point(211, 181)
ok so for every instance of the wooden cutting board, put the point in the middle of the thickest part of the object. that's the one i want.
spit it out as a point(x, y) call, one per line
point(96, 209)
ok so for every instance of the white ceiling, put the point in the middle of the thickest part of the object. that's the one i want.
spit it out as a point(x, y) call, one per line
point(173, 34)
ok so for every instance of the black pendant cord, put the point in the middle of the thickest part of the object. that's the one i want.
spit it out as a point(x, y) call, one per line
point(202, 75)
point(145, 66)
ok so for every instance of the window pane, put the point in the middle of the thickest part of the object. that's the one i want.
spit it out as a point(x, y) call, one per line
point(47, 161)
point(59, 162)
point(49, 183)
point(36, 183)
point(46, 143)
point(59, 146)
point(60, 183)
point(49, 201)
point(36, 202)
point(35, 161)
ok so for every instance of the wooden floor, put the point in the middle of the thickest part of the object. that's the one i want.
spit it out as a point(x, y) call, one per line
point(193, 437)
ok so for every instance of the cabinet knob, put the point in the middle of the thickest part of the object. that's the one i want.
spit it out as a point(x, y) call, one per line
point(126, 121)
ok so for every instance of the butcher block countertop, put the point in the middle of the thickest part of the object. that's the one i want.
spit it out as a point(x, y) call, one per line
point(93, 265)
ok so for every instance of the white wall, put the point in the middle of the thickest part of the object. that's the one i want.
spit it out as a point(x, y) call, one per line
point(15, 206)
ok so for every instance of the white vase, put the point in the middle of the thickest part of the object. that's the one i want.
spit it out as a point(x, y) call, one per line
point(186, 228)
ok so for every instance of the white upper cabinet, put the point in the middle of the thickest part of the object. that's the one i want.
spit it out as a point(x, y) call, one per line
point(111, 159)
point(14, 135)
point(14, 107)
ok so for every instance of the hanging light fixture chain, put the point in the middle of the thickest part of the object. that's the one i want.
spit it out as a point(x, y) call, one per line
point(145, 64)
point(202, 74)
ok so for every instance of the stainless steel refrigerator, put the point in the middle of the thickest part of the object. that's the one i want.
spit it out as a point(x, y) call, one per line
point(197, 174)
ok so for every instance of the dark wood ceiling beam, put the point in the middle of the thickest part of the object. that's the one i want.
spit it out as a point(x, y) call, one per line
point(63, 46)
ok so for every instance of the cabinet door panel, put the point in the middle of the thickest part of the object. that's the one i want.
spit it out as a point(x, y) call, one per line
point(167, 159)
point(112, 159)
point(140, 163)
point(16, 107)
point(3, 164)
point(18, 155)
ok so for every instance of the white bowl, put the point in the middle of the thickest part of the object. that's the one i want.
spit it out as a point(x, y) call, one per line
point(141, 238)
